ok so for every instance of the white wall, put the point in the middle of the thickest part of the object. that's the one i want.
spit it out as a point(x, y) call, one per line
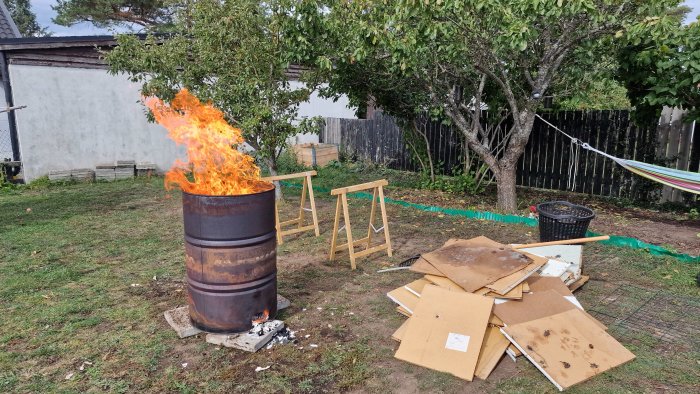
point(317, 106)
point(78, 118)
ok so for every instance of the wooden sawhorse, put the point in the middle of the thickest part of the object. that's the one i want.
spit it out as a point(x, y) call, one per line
point(342, 193)
point(299, 220)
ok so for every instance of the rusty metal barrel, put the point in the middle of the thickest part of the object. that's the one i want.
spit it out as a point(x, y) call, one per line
point(231, 257)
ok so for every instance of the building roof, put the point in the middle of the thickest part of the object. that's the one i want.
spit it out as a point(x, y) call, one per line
point(76, 52)
point(8, 29)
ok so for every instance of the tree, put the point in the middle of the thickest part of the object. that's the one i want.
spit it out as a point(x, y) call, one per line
point(150, 14)
point(464, 53)
point(232, 53)
point(663, 69)
point(25, 19)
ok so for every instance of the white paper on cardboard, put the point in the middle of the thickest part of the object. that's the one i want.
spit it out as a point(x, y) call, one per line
point(457, 342)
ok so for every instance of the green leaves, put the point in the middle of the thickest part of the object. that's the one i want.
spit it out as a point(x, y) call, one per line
point(234, 54)
point(661, 65)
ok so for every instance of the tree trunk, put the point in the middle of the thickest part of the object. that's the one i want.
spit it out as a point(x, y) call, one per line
point(272, 166)
point(505, 187)
point(427, 150)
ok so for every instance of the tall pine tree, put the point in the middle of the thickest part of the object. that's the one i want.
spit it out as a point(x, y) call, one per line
point(25, 19)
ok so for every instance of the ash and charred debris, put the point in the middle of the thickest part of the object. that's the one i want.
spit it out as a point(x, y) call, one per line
point(283, 337)
point(263, 328)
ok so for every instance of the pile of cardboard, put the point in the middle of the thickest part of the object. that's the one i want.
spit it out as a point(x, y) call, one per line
point(479, 300)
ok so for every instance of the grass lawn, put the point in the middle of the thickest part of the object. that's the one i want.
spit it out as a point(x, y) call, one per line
point(87, 270)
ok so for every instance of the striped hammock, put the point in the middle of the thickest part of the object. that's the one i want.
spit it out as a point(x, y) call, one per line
point(679, 179)
point(683, 180)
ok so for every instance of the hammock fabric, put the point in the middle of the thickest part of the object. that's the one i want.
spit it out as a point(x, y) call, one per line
point(679, 179)
point(683, 180)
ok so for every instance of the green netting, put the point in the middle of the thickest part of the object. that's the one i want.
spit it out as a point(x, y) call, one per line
point(615, 240)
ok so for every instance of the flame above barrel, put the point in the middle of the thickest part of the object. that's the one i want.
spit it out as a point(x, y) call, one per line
point(215, 165)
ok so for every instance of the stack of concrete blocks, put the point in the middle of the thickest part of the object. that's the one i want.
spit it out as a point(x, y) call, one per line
point(82, 175)
point(60, 176)
point(145, 169)
point(105, 172)
point(124, 169)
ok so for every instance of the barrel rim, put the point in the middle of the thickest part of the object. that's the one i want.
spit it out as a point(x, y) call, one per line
point(271, 189)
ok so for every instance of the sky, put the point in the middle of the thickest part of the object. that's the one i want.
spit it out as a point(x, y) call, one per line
point(44, 13)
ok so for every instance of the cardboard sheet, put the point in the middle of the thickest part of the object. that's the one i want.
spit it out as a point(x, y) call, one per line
point(398, 334)
point(422, 266)
point(568, 348)
point(495, 321)
point(515, 293)
point(403, 311)
point(443, 282)
point(439, 336)
point(544, 283)
point(493, 348)
point(404, 298)
point(507, 283)
point(515, 350)
point(475, 264)
point(533, 306)
point(536, 305)
point(416, 287)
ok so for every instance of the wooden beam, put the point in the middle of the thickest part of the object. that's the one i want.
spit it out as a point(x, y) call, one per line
point(361, 186)
point(288, 176)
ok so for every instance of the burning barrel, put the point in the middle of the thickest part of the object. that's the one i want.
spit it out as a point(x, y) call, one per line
point(231, 254)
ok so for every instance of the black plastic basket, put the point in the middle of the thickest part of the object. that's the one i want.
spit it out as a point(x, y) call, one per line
point(561, 220)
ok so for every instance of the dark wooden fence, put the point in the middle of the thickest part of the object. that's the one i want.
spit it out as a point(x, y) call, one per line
point(549, 161)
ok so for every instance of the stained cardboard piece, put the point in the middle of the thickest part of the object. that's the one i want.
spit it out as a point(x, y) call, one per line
point(439, 336)
point(443, 282)
point(536, 305)
point(507, 283)
point(398, 334)
point(492, 349)
point(473, 265)
point(422, 266)
point(568, 348)
point(404, 298)
point(416, 287)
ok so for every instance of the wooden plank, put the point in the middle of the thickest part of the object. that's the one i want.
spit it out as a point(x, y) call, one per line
point(359, 187)
point(371, 250)
point(298, 230)
point(348, 230)
point(334, 237)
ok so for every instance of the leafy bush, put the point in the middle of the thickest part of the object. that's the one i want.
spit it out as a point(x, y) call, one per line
point(459, 182)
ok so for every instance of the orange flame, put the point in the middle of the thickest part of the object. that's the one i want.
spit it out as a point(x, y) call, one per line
point(262, 317)
point(215, 166)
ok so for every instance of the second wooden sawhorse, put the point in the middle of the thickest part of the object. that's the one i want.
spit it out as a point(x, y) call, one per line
point(342, 203)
